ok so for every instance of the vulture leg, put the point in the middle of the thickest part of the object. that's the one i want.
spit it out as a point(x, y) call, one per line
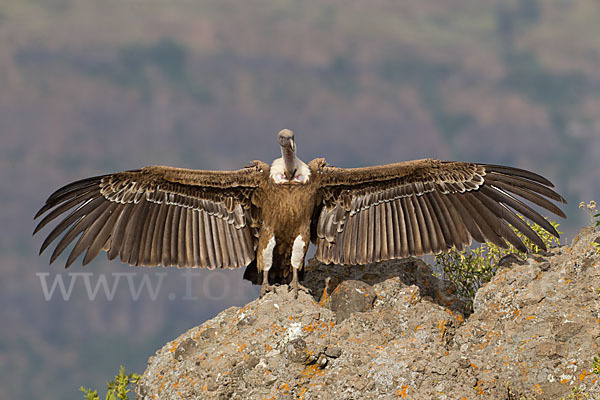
point(296, 285)
point(266, 288)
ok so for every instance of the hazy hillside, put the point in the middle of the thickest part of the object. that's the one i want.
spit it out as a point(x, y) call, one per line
point(89, 87)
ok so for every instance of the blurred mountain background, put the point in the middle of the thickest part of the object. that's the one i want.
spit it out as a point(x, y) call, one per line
point(89, 87)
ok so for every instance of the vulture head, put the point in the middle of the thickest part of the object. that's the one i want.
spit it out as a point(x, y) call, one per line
point(288, 167)
point(286, 140)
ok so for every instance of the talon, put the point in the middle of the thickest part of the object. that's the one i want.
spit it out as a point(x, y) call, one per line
point(264, 289)
point(297, 286)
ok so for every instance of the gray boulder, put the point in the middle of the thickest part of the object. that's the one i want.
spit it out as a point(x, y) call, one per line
point(534, 332)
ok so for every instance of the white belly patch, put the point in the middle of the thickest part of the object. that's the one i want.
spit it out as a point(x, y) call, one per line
point(298, 252)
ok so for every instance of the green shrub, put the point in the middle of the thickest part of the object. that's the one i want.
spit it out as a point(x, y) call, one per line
point(471, 269)
point(117, 388)
point(596, 365)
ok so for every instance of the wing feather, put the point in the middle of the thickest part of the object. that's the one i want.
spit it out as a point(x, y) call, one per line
point(389, 229)
point(446, 227)
point(75, 215)
point(67, 205)
point(202, 245)
point(432, 226)
point(137, 232)
point(158, 236)
point(377, 233)
point(216, 242)
point(396, 227)
point(195, 237)
point(494, 226)
point(463, 235)
point(181, 238)
point(370, 228)
point(422, 225)
point(119, 232)
point(384, 254)
point(523, 173)
point(364, 236)
point(72, 191)
point(410, 219)
point(402, 240)
point(174, 245)
point(148, 235)
point(518, 182)
point(82, 223)
point(99, 239)
point(347, 242)
point(94, 225)
point(230, 246)
point(532, 197)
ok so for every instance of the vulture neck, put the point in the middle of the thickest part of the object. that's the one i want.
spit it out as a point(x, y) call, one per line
point(289, 159)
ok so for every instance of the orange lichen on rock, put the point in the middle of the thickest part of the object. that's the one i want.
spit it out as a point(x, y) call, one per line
point(402, 392)
point(285, 388)
point(174, 345)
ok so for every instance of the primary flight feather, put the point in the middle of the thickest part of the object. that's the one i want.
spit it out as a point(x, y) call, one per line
point(263, 216)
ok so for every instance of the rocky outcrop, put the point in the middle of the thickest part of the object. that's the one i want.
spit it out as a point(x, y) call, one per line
point(398, 332)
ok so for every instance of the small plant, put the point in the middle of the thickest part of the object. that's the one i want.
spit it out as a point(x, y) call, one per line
point(118, 388)
point(594, 214)
point(473, 268)
point(596, 365)
point(578, 394)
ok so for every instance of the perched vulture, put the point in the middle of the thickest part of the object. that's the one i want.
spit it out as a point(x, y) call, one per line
point(263, 216)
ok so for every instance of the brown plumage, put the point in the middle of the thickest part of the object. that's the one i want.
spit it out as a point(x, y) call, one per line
point(263, 216)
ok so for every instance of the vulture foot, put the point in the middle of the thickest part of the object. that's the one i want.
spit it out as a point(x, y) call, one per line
point(297, 286)
point(266, 288)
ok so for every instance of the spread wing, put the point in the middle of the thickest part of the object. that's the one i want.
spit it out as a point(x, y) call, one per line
point(158, 216)
point(425, 206)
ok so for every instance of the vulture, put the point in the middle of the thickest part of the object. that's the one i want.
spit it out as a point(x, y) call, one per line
point(263, 217)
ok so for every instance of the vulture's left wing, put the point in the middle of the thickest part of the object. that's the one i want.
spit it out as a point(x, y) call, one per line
point(425, 206)
point(159, 216)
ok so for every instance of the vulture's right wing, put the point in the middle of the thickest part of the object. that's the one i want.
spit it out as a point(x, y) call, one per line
point(159, 216)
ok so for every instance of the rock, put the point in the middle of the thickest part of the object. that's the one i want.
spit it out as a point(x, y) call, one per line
point(296, 351)
point(509, 259)
point(409, 271)
point(533, 334)
point(350, 297)
point(333, 352)
point(582, 235)
point(185, 349)
point(565, 330)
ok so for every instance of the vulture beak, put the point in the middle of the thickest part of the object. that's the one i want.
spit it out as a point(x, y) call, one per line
point(292, 145)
